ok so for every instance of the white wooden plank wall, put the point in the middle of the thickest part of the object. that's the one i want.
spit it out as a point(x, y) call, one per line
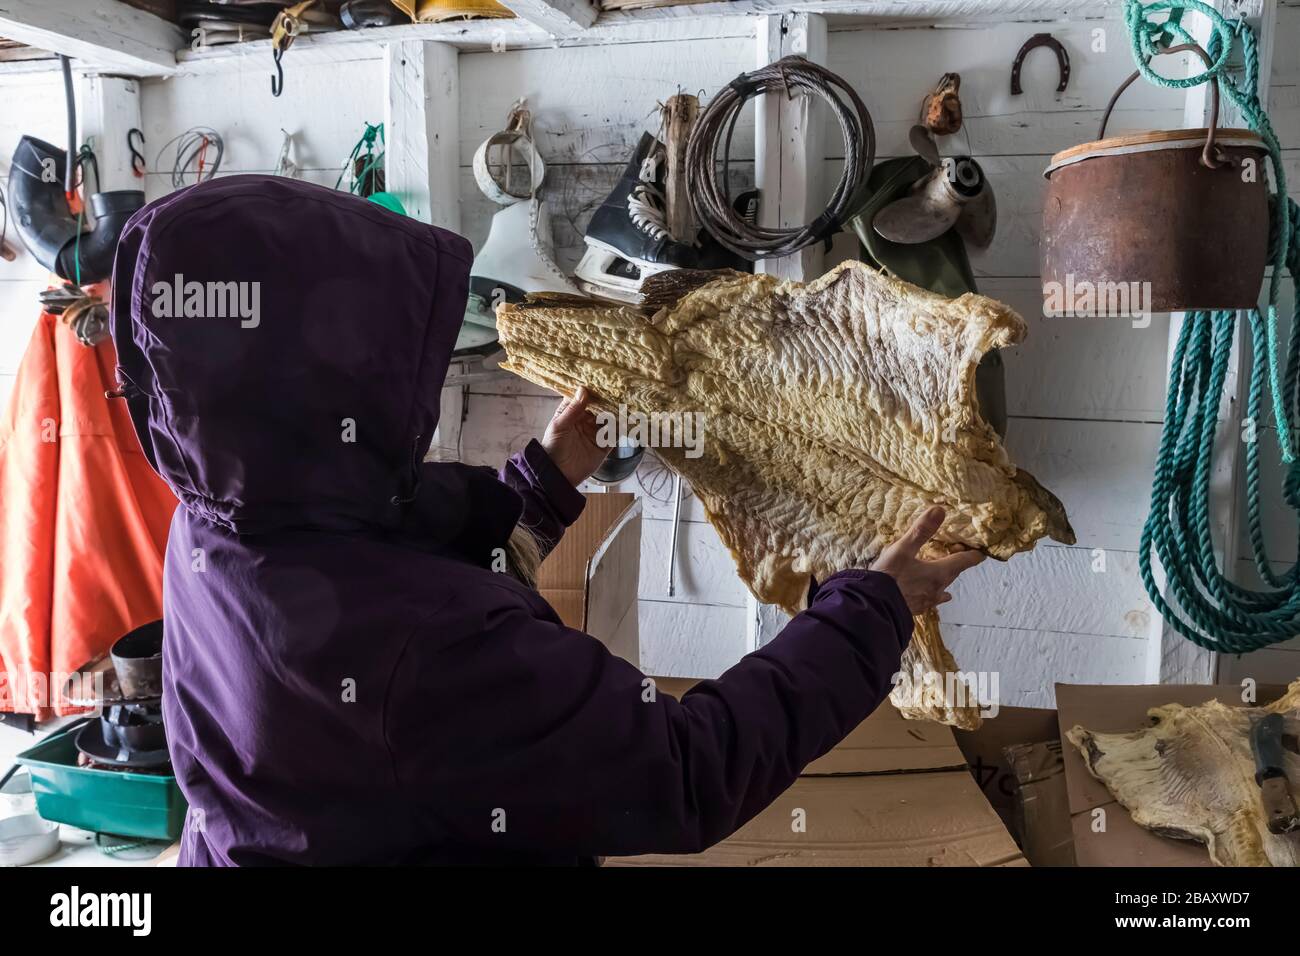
point(1086, 397)
point(590, 106)
point(1086, 401)
point(33, 105)
point(325, 105)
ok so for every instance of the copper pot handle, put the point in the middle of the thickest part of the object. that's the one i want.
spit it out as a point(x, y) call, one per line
point(1209, 155)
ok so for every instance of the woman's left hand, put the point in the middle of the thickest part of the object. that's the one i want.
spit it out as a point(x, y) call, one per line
point(570, 439)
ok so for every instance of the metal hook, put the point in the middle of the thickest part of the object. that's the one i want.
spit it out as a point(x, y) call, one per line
point(277, 81)
point(138, 164)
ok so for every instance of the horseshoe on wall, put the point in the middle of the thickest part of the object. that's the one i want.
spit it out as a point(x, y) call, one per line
point(1041, 39)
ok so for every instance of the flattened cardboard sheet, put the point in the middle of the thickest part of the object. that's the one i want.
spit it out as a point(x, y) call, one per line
point(985, 748)
point(1042, 806)
point(894, 819)
point(895, 793)
point(1111, 838)
point(883, 743)
point(591, 577)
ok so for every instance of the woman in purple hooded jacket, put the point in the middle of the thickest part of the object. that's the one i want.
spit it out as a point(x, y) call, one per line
point(347, 679)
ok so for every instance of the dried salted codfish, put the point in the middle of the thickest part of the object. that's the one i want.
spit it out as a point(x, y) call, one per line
point(833, 414)
point(1192, 776)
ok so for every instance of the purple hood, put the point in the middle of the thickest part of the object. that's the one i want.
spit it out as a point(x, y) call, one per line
point(347, 678)
point(307, 393)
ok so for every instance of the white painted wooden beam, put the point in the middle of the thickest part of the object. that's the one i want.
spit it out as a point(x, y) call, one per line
point(559, 18)
point(1171, 658)
point(421, 130)
point(788, 156)
point(110, 107)
point(662, 24)
point(104, 34)
point(983, 10)
point(451, 415)
point(762, 623)
point(788, 164)
point(422, 167)
point(469, 35)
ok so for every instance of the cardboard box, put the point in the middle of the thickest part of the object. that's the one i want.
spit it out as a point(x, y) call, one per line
point(1030, 800)
point(895, 792)
point(1119, 709)
point(985, 752)
point(1042, 805)
point(591, 577)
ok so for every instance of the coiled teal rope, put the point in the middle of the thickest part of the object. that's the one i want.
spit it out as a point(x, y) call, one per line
point(1206, 607)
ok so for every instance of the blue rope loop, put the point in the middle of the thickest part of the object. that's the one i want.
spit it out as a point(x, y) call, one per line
point(1199, 601)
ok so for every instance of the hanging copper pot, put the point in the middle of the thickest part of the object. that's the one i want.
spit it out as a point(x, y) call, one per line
point(1183, 214)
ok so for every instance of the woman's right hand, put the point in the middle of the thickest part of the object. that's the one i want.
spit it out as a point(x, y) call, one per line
point(571, 439)
point(924, 583)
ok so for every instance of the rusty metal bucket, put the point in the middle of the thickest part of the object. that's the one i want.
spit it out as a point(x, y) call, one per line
point(1183, 210)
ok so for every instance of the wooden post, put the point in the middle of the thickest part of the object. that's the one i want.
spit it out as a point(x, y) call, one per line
point(422, 130)
point(110, 107)
point(788, 170)
point(788, 160)
point(422, 165)
point(679, 115)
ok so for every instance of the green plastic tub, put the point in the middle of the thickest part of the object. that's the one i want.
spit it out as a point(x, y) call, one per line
point(106, 801)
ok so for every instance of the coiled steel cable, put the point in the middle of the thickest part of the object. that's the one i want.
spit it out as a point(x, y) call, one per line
point(192, 154)
point(709, 192)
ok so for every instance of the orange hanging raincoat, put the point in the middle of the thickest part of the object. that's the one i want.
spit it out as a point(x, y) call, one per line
point(83, 520)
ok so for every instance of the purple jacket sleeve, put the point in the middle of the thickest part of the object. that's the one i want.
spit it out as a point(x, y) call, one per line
point(551, 504)
point(531, 737)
